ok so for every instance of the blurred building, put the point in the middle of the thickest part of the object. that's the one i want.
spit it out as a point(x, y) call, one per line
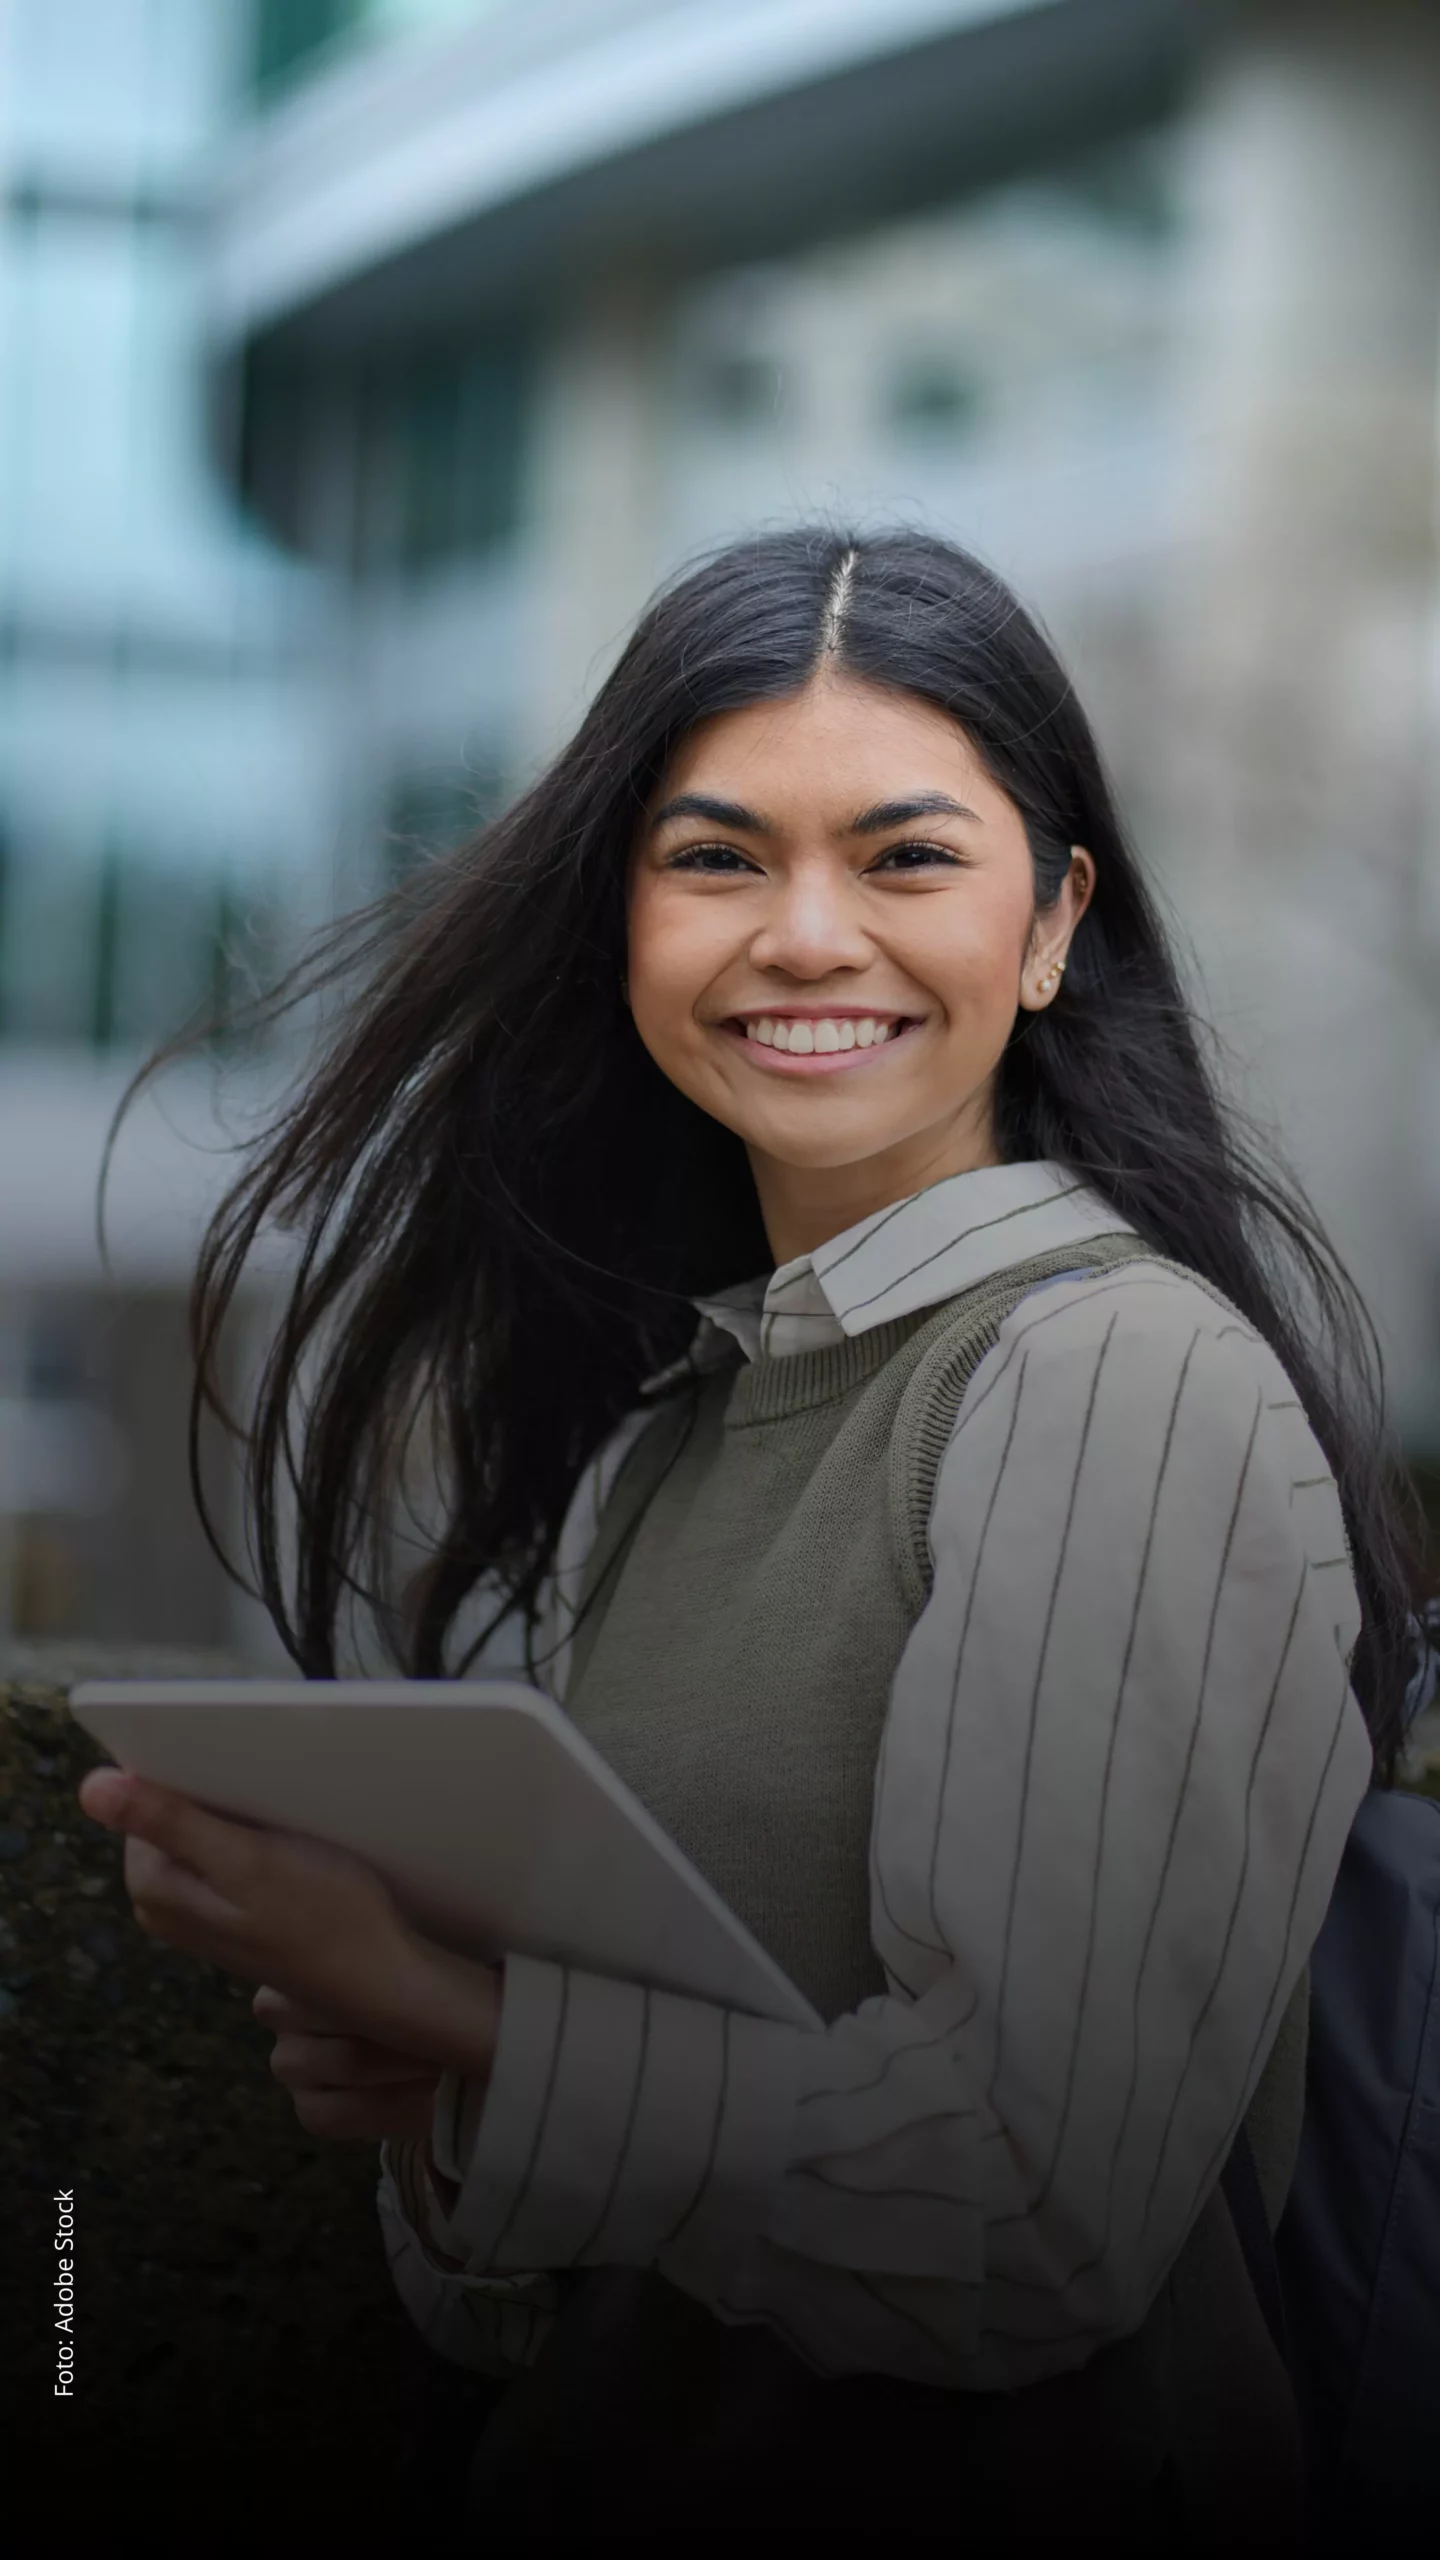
point(506, 306)
point(167, 780)
point(520, 304)
point(1142, 299)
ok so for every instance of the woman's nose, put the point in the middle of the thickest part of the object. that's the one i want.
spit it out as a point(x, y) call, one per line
point(812, 924)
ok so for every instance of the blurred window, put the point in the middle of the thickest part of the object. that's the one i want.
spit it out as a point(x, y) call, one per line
point(739, 390)
point(460, 420)
point(288, 32)
point(274, 444)
point(1130, 186)
point(390, 468)
point(47, 962)
point(934, 396)
point(121, 952)
point(4, 920)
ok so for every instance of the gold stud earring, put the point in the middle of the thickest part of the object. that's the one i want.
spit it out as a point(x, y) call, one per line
point(1053, 976)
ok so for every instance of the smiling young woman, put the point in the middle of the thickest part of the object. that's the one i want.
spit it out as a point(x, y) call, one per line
point(795, 922)
point(936, 1464)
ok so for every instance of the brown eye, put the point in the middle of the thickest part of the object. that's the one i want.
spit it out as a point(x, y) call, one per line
point(708, 857)
point(924, 855)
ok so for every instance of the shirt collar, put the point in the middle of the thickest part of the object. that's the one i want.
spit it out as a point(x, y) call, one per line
point(913, 1255)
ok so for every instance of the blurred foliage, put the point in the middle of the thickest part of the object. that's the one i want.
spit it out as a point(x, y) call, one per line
point(238, 2308)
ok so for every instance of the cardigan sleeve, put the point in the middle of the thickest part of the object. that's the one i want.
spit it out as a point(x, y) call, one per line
point(1120, 1762)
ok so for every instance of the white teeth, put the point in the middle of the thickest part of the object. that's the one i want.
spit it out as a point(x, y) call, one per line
point(824, 1036)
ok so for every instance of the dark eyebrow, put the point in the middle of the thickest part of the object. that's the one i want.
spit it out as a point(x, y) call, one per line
point(871, 822)
point(898, 813)
point(721, 813)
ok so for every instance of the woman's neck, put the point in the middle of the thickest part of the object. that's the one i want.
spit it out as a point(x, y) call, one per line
point(803, 1206)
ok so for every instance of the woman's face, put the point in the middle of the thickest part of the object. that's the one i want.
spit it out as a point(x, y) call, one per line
point(831, 925)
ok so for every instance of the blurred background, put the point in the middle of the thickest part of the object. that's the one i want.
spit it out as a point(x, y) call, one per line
point(363, 363)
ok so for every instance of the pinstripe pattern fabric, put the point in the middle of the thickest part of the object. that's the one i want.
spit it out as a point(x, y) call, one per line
point(914, 1255)
point(1120, 1760)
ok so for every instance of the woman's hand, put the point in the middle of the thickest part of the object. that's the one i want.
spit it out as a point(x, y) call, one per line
point(344, 2086)
point(311, 1922)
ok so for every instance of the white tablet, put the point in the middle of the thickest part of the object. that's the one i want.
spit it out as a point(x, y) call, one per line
point(496, 1824)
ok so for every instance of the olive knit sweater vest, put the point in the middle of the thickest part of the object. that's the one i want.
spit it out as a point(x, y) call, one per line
point(757, 1570)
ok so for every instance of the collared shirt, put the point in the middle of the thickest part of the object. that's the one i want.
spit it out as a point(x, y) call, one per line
point(902, 1260)
point(1119, 1763)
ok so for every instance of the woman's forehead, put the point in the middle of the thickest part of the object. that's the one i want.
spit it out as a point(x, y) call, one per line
point(840, 745)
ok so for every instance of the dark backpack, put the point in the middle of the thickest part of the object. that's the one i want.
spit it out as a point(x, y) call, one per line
point(1358, 2248)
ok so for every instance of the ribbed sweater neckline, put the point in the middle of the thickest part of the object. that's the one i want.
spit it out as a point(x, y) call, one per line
point(769, 1388)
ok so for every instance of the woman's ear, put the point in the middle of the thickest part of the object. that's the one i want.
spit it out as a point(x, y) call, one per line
point(1053, 933)
point(1080, 882)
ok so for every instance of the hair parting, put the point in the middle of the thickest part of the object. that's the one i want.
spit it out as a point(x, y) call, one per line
point(832, 628)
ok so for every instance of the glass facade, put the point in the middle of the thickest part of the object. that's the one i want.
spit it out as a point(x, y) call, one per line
point(162, 773)
point(292, 37)
point(388, 469)
point(287, 33)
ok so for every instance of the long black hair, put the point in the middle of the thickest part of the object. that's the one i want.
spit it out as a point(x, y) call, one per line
point(502, 1206)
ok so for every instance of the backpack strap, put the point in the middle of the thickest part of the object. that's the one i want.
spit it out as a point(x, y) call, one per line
point(1240, 2186)
point(925, 1422)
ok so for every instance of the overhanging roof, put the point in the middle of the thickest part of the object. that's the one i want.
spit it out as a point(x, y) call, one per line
point(507, 161)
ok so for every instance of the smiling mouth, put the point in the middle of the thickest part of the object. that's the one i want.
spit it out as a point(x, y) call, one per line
point(816, 1044)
